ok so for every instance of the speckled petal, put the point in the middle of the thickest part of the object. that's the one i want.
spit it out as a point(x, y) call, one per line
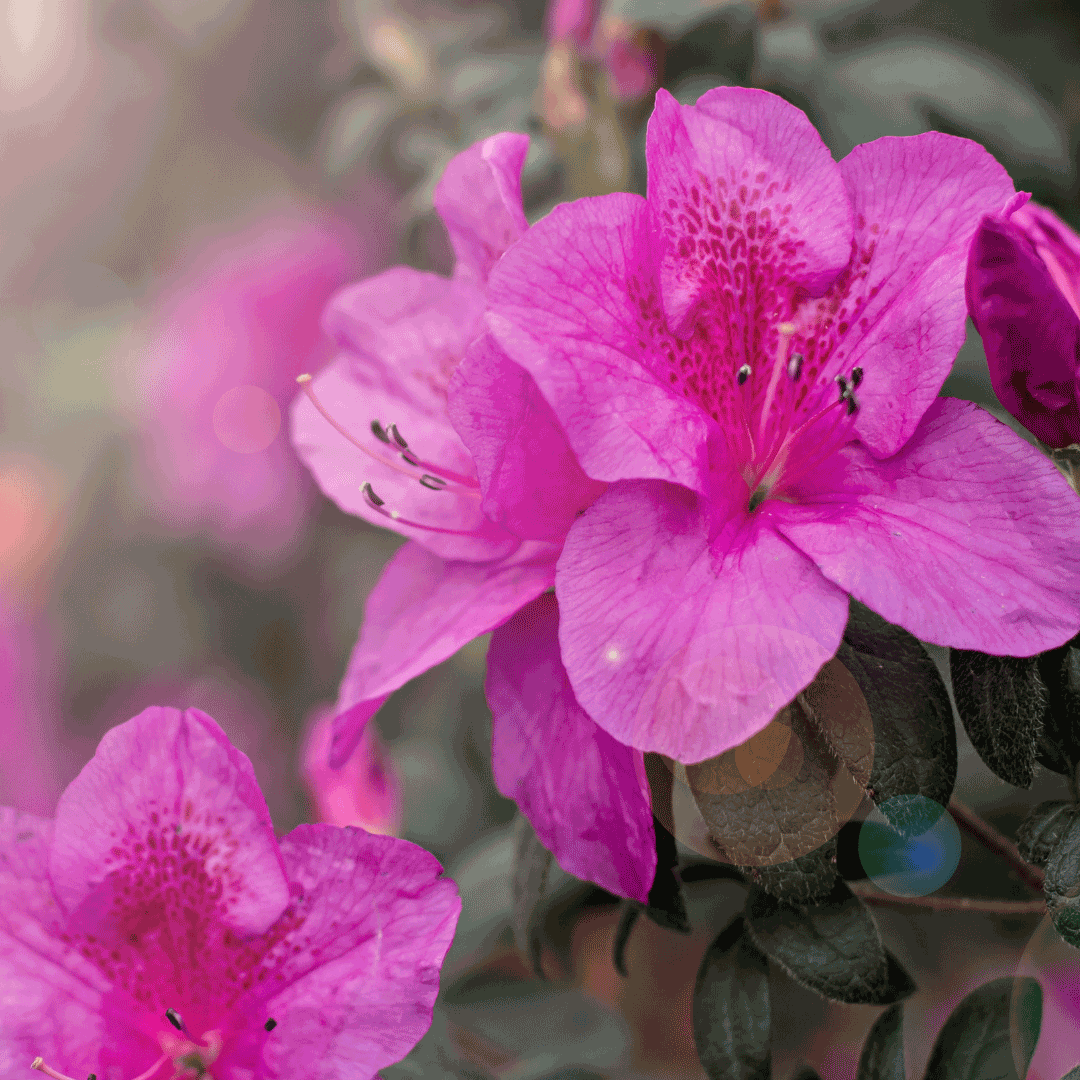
point(584, 793)
point(169, 814)
point(359, 965)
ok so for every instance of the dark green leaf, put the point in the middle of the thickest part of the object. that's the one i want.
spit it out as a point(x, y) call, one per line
point(1001, 701)
point(732, 1013)
point(806, 1073)
point(532, 863)
point(1072, 1074)
point(883, 1052)
point(804, 880)
point(1062, 884)
point(1043, 829)
point(1059, 741)
point(832, 948)
point(703, 871)
point(914, 736)
point(666, 906)
point(631, 910)
point(977, 1041)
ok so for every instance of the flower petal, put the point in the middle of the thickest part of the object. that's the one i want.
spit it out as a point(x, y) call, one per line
point(681, 642)
point(899, 312)
point(968, 537)
point(164, 790)
point(1030, 331)
point(576, 303)
point(52, 998)
point(341, 468)
point(750, 203)
point(422, 611)
point(532, 482)
point(359, 967)
point(407, 331)
point(479, 199)
point(584, 793)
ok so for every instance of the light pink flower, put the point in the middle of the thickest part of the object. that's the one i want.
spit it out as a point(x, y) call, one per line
point(157, 928)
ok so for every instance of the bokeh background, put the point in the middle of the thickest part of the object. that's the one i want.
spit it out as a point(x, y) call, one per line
point(183, 183)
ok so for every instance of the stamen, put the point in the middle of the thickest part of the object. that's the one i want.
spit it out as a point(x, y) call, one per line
point(39, 1064)
point(794, 366)
point(174, 1018)
point(270, 1024)
point(377, 505)
point(433, 483)
point(842, 383)
point(464, 485)
point(743, 374)
point(856, 376)
point(785, 332)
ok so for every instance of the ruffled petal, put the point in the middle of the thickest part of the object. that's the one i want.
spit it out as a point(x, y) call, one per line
point(341, 468)
point(683, 634)
point(1030, 331)
point(479, 199)
point(358, 969)
point(751, 206)
point(166, 795)
point(531, 479)
point(968, 537)
point(422, 611)
point(899, 311)
point(584, 793)
point(576, 303)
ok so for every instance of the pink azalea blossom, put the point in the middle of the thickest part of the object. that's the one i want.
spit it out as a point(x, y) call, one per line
point(422, 425)
point(157, 928)
point(1024, 294)
point(751, 357)
point(365, 791)
point(228, 336)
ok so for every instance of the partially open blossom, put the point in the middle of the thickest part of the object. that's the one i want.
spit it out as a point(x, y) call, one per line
point(1023, 288)
point(751, 357)
point(228, 336)
point(157, 928)
point(423, 425)
point(365, 791)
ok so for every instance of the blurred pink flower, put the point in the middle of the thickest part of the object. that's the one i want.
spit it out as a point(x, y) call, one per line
point(365, 791)
point(229, 335)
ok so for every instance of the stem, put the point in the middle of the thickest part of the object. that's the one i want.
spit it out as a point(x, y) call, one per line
point(1001, 845)
point(953, 903)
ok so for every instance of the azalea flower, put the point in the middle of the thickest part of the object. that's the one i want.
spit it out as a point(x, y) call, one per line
point(750, 357)
point(422, 425)
point(365, 791)
point(157, 928)
point(1024, 294)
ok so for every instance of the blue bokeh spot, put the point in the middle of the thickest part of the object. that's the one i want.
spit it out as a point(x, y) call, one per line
point(909, 846)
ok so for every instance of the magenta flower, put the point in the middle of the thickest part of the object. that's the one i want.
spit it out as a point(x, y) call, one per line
point(157, 929)
point(1024, 294)
point(236, 325)
point(751, 358)
point(365, 791)
point(424, 426)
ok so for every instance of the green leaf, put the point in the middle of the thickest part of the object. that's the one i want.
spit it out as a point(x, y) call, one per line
point(1072, 1074)
point(883, 1052)
point(732, 1012)
point(832, 948)
point(532, 864)
point(1062, 884)
point(631, 910)
point(806, 1073)
point(1059, 741)
point(914, 734)
point(1002, 701)
point(666, 905)
point(1043, 829)
point(804, 880)
point(977, 1041)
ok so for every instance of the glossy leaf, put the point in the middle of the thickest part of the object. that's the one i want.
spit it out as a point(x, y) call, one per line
point(882, 1055)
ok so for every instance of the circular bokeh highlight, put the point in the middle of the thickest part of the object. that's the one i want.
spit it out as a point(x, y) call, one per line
point(909, 846)
point(246, 419)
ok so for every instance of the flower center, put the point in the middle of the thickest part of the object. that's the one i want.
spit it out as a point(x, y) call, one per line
point(390, 450)
point(786, 429)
